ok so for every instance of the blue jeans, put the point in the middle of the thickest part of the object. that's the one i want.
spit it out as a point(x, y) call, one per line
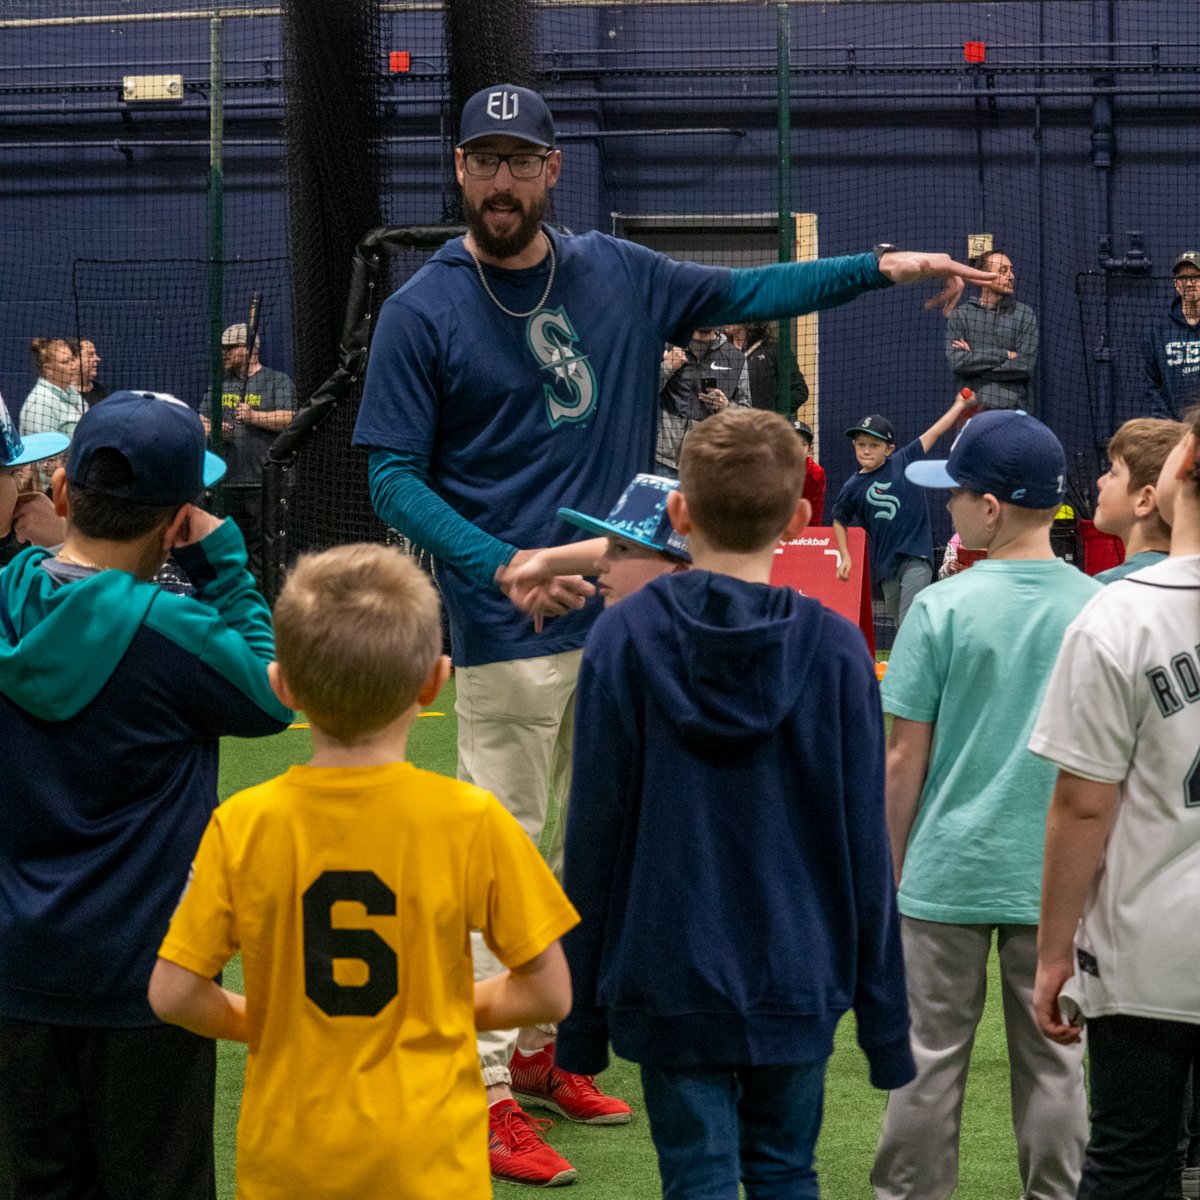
point(713, 1127)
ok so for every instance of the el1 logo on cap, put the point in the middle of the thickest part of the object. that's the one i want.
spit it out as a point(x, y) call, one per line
point(503, 106)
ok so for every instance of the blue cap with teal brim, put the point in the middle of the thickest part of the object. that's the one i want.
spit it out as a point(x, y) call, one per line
point(160, 437)
point(16, 451)
point(640, 516)
point(1003, 452)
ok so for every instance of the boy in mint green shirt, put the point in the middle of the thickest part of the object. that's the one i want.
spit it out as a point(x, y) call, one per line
point(967, 810)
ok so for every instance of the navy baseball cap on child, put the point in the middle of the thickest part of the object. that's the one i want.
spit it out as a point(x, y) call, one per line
point(1005, 452)
point(16, 451)
point(640, 516)
point(804, 429)
point(876, 426)
point(505, 108)
point(160, 437)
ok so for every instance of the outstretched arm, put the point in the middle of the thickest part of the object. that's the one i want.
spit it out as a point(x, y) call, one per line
point(783, 290)
point(907, 266)
point(943, 423)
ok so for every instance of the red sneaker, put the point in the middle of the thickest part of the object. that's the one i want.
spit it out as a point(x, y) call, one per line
point(539, 1083)
point(518, 1153)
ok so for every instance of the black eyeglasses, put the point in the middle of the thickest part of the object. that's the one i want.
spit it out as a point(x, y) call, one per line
point(523, 165)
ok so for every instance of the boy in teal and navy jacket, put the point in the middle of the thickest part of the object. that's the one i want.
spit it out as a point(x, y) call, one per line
point(113, 695)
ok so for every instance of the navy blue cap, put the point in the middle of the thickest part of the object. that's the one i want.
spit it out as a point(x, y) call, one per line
point(804, 429)
point(640, 516)
point(16, 451)
point(505, 108)
point(876, 426)
point(160, 437)
point(1005, 452)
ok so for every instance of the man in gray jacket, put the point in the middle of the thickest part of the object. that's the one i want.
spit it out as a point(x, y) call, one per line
point(707, 375)
point(992, 341)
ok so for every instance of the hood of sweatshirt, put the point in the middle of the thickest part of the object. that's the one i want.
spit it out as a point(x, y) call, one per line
point(735, 656)
point(59, 644)
point(1179, 319)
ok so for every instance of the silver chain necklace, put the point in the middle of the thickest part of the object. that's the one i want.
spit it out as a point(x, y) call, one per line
point(508, 312)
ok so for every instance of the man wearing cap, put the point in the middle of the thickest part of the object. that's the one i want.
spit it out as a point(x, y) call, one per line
point(967, 805)
point(516, 372)
point(1171, 346)
point(256, 403)
point(113, 697)
point(992, 340)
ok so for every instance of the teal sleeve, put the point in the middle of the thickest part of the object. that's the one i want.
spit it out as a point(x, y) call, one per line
point(227, 625)
point(783, 290)
point(402, 497)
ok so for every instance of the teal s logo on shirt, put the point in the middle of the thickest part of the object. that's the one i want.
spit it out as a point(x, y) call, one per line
point(552, 338)
point(886, 506)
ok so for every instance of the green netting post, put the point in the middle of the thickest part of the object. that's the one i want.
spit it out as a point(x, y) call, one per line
point(216, 232)
point(783, 122)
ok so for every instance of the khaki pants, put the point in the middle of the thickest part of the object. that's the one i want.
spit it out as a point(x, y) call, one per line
point(515, 724)
point(946, 969)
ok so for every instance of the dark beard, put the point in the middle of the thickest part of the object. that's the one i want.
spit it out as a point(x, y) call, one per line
point(512, 244)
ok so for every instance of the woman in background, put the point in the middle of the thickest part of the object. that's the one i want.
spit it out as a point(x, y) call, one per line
point(54, 405)
point(757, 343)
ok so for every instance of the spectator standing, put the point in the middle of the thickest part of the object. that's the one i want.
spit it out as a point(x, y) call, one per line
point(1171, 346)
point(256, 403)
point(54, 405)
point(757, 343)
point(704, 377)
point(90, 388)
point(992, 340)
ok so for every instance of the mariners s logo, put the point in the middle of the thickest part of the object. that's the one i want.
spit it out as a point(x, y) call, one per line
point(571, 391)
point(885, 505)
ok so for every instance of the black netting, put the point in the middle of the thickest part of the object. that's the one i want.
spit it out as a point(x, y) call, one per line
point(731, 132)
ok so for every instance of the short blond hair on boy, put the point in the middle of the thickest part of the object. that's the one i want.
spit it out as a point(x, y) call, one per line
point(742, 473)
point(357, 631)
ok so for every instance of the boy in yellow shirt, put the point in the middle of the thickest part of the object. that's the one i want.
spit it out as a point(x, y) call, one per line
point(351, 885)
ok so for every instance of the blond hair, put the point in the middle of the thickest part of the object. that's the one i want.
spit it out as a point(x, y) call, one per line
point(742, 473)
point(357, 631)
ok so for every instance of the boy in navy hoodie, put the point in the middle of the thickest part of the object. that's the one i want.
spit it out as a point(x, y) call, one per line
point(726, 848)
point(113, 694)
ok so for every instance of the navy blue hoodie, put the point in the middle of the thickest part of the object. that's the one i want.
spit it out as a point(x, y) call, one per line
point(727, 847)
point(113, 694)
point(1171, 364)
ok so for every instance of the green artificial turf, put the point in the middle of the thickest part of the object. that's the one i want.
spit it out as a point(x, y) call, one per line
point(618, 1163)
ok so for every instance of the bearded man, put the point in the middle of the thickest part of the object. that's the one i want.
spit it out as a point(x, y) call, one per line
point(517, 373)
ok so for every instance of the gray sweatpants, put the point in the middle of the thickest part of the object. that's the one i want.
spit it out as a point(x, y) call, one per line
point(946, 969)
point(898, 592)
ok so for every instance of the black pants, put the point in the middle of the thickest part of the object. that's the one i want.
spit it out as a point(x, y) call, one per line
point(244, 505)
point(105, 1114)
point(1139, 1074)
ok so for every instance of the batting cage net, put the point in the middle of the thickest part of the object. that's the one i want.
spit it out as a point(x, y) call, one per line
point(163, 168)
